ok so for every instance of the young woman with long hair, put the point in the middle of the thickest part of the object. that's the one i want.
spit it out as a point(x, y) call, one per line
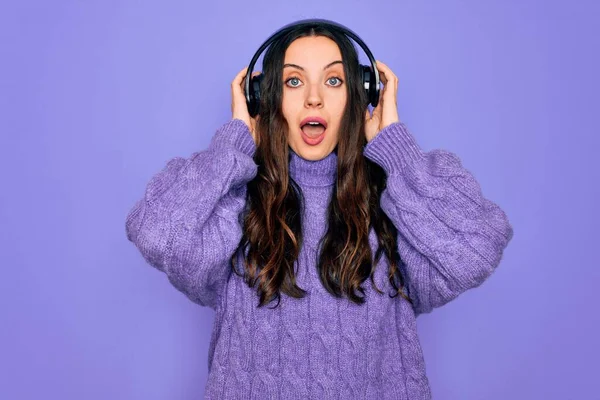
point(318, 231)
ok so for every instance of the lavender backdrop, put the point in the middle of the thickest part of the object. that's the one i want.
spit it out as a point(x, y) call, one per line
point(97, 96)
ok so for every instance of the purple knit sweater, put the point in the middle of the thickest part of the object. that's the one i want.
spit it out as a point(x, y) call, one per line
point(450, 238)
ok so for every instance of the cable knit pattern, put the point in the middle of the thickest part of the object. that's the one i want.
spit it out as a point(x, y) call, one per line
point(318, 347)
point(450, 237)
point(187, 223)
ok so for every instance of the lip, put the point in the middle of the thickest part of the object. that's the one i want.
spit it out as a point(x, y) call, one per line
point(313, 119)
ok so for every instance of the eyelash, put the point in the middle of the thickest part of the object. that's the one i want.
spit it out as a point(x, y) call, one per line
point(295, 77)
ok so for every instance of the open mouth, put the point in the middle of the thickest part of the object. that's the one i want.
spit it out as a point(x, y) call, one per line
point(313, 127)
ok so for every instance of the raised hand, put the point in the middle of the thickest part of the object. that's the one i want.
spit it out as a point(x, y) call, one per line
point(386, 112)
point(239, 108)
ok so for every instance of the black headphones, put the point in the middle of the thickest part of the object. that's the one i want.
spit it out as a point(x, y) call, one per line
point(370, 74)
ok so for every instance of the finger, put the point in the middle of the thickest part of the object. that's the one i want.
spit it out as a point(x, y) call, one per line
point(239, 77)
point(386, 74)
point(381, 68)
point(390, 89)
point(385, 69)
point(382, 77)
point(390, 76)
point(378, 111)
point(243, 83)
point(236, 85)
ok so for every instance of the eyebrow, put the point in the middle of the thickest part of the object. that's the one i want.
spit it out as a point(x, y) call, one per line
point(302, 69)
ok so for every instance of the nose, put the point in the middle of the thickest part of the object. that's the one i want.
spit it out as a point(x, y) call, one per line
point(314, 97)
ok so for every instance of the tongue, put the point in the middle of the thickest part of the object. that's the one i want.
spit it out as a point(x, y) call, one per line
point(313, 131)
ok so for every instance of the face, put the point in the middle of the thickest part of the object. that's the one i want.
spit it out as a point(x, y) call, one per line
point(314, 89)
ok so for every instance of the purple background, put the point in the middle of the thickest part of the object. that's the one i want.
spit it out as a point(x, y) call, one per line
point(97, 96)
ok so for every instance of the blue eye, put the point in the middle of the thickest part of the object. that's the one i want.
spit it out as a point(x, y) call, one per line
point(334, 78)
point(293, 79)
point(296, 82)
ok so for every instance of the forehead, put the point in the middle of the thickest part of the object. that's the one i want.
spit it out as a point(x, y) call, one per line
point(312, 51)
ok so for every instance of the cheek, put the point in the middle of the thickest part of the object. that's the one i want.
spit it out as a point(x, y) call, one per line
point(290, 105)
point(339, 105)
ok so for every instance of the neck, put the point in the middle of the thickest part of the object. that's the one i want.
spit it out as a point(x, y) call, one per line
point(313, 173)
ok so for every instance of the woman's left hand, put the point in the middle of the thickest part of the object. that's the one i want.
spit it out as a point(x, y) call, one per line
point(386, 112)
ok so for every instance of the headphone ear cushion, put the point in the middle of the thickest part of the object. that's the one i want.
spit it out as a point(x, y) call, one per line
point(368, 82)
point(254, 95)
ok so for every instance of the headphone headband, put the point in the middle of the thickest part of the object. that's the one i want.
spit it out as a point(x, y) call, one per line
point(371, 83)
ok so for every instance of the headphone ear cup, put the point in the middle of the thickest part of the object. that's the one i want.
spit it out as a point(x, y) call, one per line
point(368, 81)
point(254, 95)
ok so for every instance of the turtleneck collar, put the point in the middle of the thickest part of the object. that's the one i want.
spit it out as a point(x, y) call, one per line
point(313, 173)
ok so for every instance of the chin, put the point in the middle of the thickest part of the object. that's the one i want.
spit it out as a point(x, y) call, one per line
point(312, 153)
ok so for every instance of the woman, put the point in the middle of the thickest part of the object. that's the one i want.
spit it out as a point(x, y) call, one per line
point(318, 231)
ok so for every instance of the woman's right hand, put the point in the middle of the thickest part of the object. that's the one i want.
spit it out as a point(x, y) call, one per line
point(239, 108)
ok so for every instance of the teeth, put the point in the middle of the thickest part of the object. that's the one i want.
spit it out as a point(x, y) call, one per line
point(313, 124)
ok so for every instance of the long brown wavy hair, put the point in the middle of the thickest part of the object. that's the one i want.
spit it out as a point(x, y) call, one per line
point(272, 235)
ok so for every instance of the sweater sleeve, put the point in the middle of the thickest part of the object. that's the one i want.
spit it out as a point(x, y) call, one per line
point(450, 237)
point(187, 223)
